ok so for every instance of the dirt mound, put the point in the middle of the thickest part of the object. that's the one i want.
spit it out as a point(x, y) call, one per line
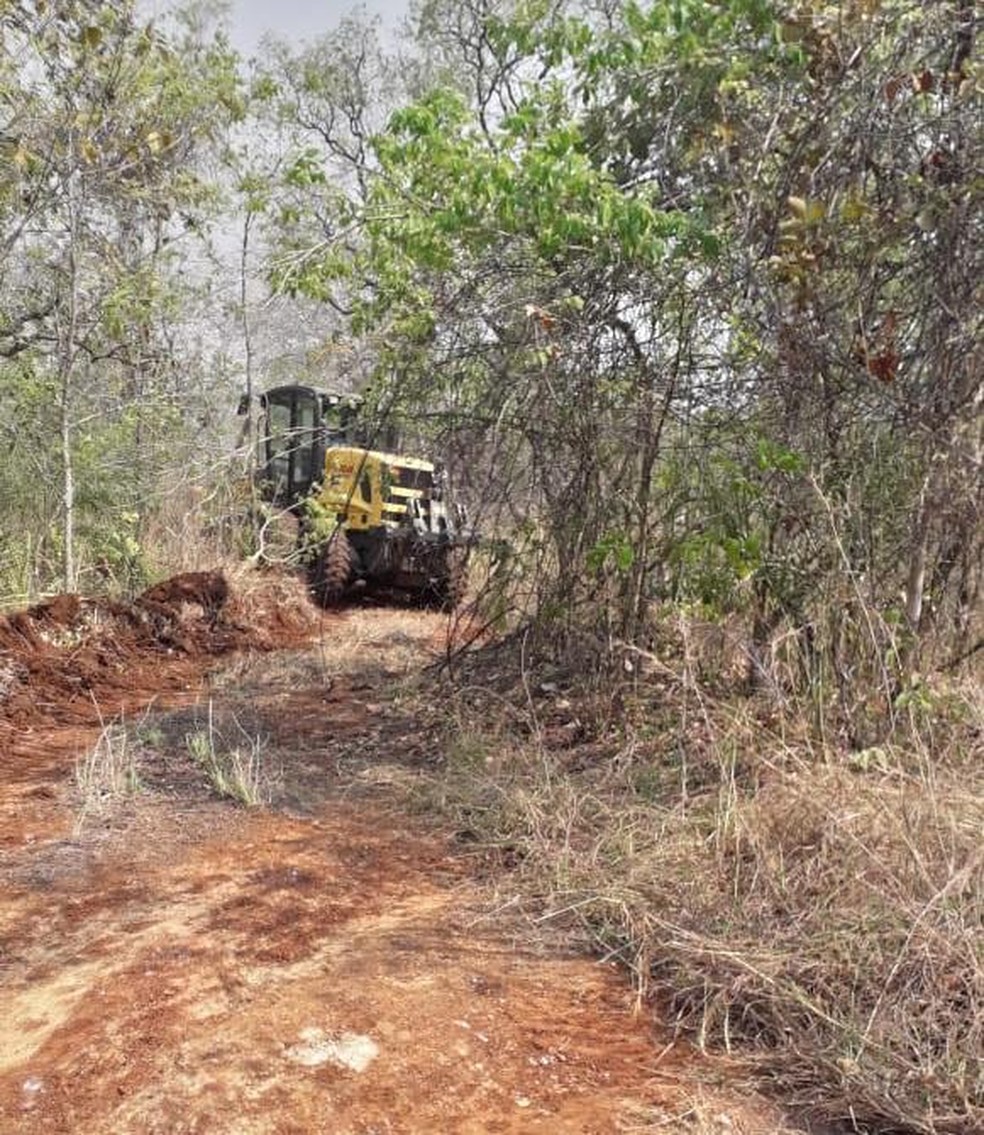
point(73, 660)
point(208, 589)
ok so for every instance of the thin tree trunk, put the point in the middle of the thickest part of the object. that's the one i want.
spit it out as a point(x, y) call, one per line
point(249, 432)
point(651, 421)
point(247, 338)
point(916, 576)
point(68, 493)
point(66, 366)
point(633, 612)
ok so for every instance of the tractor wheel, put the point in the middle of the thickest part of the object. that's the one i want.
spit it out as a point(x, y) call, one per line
point(451, 591)
point(332, 570)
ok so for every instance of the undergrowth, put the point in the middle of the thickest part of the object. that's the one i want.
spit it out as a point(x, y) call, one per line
point(233, 770)
point(814, 907)
point(107, 774)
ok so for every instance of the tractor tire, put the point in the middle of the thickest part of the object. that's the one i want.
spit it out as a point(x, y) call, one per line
point(332, 570)
point(450, 593)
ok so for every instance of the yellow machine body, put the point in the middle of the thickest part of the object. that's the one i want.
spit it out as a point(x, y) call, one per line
point(367, 489)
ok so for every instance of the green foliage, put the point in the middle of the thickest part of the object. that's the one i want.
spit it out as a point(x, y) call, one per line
point(446, 194)
point(742, 548)
point(612, 550)
point(107, 122)
point(318, 525)
point(305, 171)
point(29, 477)
point(115, 459)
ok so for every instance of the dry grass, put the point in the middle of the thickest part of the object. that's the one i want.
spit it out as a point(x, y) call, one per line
point(701, 1113)
point(235, 769)
point(360, 639)
point(107, 774)
point(816, 911)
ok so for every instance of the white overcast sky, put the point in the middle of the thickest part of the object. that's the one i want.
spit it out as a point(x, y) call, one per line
point(294, 20)
point(299, 20)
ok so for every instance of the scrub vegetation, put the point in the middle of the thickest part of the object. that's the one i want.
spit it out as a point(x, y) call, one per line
point(690, 297)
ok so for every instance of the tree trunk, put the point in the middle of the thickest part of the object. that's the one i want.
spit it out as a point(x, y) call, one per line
point(68, 492)
point(916, 578)
point(67, 354)
point(247, 340)
point(248, 435)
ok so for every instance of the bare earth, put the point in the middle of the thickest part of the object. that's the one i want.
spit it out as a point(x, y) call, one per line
point(172, 962)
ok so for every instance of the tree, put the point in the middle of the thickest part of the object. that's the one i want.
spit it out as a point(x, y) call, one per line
point(106, 120)
point(515, 283)
point(703, 279)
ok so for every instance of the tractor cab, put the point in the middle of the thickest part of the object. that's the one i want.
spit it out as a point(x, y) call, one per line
point(298, 425)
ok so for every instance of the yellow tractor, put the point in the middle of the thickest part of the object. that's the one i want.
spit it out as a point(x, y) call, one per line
point(369, 517)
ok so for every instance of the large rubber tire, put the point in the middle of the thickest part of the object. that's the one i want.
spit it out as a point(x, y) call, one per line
point(332, 570)
point(450, 593)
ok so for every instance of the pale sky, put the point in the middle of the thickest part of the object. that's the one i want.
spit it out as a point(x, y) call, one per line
point(294, 20)
point(298, 20)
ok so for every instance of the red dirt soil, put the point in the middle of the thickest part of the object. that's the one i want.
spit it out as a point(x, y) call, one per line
point(170, 963)
point(66, 660)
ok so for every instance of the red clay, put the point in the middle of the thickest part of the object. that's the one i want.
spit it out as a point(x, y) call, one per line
point(171, 963)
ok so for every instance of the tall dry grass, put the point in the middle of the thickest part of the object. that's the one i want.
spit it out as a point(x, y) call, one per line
point(107, 774)
point(814, 907)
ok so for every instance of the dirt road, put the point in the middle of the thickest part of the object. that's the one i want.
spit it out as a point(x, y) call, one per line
point(173, 962)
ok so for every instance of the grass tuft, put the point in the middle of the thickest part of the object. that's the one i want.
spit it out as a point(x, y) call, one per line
point(107, 774)
point(238, 771)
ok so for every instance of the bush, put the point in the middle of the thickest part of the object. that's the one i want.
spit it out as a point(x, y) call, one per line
point(818, 911)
